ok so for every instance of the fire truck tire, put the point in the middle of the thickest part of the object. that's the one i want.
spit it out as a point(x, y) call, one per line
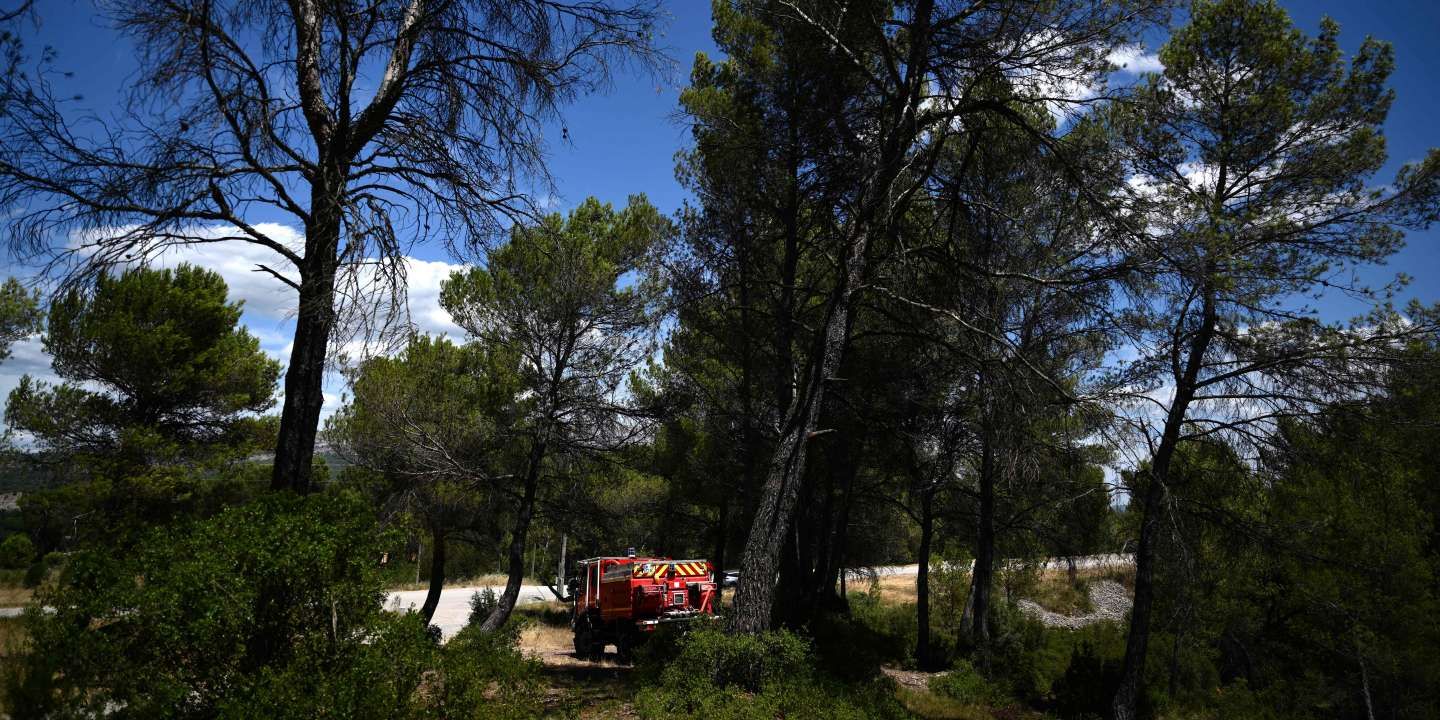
point(588, 646)
point(625, 646)
point(584, 647)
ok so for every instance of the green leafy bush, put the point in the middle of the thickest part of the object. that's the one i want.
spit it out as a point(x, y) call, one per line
point(721, 676)
point(1089, 683)
point(964, 684)
point(17, 551)
point(35, 574)
point(886, 631)
point(482, 603)
point(1031, 659)
point(400, 673)
point(272, 609)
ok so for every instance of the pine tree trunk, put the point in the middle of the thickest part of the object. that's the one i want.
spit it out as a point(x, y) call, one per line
point(560, 566)
point(922, 581)
point(314, 322)
point(717, 558)
point(984, 574)
point(515, 562)
point(437, 574)
point(1127, 695)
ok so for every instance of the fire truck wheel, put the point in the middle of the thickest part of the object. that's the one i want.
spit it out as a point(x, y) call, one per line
point(584, 647)
point(625, 647)
point(587, 645)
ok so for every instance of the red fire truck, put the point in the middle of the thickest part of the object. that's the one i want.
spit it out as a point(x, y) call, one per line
point(620, 599)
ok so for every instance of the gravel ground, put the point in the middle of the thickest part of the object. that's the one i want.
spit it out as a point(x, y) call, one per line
point(1110, 601)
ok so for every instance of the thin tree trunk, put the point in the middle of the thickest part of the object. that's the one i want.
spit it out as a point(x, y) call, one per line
point(437, 574)
point(984, 573)
point(1364, 674)
point(836, 539)
point(722, 530)
point(922, 581)
point(516, 560)
point(560, 566)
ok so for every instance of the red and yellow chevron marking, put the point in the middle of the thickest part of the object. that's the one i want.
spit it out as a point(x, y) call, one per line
point(683, 569)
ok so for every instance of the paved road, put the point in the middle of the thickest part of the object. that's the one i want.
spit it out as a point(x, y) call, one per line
point(454, 608)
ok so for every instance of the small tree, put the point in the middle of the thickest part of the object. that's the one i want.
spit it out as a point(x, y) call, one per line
point(1251, 154)
point(572, 298)
point(155, 368)
point(438, 422)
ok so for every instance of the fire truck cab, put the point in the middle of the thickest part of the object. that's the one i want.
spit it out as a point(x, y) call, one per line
point(618, 600)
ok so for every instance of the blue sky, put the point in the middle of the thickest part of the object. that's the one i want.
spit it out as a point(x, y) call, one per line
point(624, 141)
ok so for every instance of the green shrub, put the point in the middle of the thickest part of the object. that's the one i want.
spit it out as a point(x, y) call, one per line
point(949, 592)
point(17, 551)
point(1088, 685)
point(35, 574)
point(482, 603)
point(1030, 659)
point(747, 662)
point(880, 632)
point(720, 676)
point(272, 609)
point(964, 684)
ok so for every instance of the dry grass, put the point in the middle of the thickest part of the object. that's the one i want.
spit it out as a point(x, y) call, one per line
point(925, 704)
point(898, 589)
point(12, 637)
point(15, 596)
point(547, 637)
point(1059, 595)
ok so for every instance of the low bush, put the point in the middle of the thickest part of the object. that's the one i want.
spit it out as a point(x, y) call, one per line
point(965, 685)
point(876, 632)
point(1030, 659)
point(722, 676)
point(272, 609)
point(17, 551)
point(1088, 684)
point(35, 574)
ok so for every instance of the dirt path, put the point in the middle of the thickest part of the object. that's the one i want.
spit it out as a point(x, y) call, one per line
point(574, 687)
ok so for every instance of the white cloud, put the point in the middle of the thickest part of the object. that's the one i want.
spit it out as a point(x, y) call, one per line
point(1133, 60)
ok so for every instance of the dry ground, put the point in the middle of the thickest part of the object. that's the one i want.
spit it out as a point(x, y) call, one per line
point(575, 688)
point(11, 596)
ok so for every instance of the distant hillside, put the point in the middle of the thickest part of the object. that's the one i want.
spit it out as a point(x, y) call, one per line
point(17, 475)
